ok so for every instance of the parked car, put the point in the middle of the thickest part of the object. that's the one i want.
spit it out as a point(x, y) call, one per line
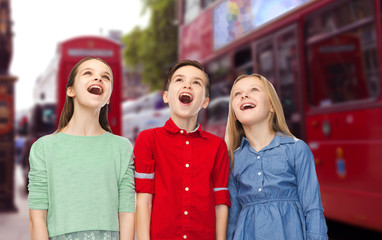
point(146, 112)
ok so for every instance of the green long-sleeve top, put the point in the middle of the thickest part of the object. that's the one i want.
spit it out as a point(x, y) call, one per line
point(83, 181)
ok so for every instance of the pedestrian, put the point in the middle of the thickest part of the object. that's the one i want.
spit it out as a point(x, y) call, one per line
point(81, 181)
point(273, 183)
point(181, 170)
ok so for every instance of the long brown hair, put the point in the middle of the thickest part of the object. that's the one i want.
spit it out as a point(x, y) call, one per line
point(68, 109)
point(235, 130)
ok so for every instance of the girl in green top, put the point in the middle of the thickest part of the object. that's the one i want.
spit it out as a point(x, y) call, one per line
point(81, 183)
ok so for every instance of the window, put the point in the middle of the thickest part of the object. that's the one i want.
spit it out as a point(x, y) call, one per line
point(206, 3)
point(191, 10)
point(243, 61)
point(342, 54)
point(219, 74)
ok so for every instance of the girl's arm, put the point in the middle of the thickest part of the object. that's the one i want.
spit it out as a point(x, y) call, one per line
point(126, 225)
point(221, 221)
point(37, 224)
point(235, 208)
point(144, 208)
point(309, 193)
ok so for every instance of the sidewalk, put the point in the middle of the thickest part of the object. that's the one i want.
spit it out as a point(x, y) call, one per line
point(15, 225)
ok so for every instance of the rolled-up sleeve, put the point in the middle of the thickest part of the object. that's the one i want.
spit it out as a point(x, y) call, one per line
point(309, 193)
point(38, 180)
point(220, 176)
point(144, 164)
point(127, 184)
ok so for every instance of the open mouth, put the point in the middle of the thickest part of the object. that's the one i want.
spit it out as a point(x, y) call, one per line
point(246, 106)
point(95, 89)
point(185, 98)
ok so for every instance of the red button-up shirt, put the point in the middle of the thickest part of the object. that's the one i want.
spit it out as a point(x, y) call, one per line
point(188, 175)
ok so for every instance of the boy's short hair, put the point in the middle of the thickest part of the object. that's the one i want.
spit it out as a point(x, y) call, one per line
point(184, 63)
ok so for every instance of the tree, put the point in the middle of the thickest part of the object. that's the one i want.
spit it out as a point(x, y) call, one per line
point(153, 48)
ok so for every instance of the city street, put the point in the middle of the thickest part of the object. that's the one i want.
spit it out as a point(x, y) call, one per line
point(15, 225)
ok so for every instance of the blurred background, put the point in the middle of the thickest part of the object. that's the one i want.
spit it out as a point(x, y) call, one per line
point(323, 57)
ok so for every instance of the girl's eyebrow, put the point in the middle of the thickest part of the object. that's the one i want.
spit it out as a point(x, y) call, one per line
point(106, 72)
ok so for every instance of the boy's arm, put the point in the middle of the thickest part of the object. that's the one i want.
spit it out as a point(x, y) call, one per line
point(37, 224)
point(126, 225)
point(221, 221)
point(144, 208)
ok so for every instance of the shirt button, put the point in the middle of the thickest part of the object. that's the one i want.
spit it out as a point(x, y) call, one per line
point(259, 173)
point(184, 236)
point(187, 165)
point(258, 157)
point(260, 189)
point(186, 189)
point(181, 131)
point(187, 142)
point(185, 213)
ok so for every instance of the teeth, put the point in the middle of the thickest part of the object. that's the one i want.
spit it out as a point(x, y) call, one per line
point(247, 105)
point(96, 87)
point(185, 94)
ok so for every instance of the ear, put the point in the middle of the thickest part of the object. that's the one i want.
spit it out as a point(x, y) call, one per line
point(165, 96)
point(272, 109)
point(205, 103)
point(70, 92)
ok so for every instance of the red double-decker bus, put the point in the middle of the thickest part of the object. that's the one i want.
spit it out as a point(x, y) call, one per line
point(324, 59)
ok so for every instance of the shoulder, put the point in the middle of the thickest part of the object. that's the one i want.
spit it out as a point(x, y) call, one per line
point(45, 140)
point(148, 135)
point(121, 141)
point(297, 147)
point(212, 137)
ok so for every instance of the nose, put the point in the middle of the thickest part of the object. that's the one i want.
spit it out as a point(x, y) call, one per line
point(245, 95)
point(187, 85)
point(98, 78)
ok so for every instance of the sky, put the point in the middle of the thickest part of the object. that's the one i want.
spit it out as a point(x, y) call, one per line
point(39, 25)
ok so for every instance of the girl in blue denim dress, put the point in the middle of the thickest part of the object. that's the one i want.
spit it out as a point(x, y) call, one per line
point(273, 183)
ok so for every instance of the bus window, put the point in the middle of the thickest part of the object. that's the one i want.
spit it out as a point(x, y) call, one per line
point(219, 74)
point(288, 70)
point(243, 61)
point(207, 3)
point(191, 10)
point(342, 61)
point(265, 60)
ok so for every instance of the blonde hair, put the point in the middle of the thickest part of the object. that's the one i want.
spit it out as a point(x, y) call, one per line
point(235, 130)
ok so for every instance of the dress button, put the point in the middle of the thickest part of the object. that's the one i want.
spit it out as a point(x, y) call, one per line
point(181, 131)
point(187, 142)
point(260, 189)
point(259, 173)
point(258, 157)
point(185, 213)
point(184, 236)
point(186, 189)
point(187, 165)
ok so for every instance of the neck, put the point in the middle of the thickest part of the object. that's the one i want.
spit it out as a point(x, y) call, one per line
point(84, 122)
point(259, 136)
point(188, 124)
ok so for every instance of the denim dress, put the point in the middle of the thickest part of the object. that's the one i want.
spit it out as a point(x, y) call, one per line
point(275, 193)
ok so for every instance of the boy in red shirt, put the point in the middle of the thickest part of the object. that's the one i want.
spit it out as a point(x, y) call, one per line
point(182, 171)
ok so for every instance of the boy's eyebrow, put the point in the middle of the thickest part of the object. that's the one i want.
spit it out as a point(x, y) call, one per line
point(181, 75)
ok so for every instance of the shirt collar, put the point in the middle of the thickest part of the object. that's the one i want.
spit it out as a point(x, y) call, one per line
point(173, 128)
point(279, 139)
